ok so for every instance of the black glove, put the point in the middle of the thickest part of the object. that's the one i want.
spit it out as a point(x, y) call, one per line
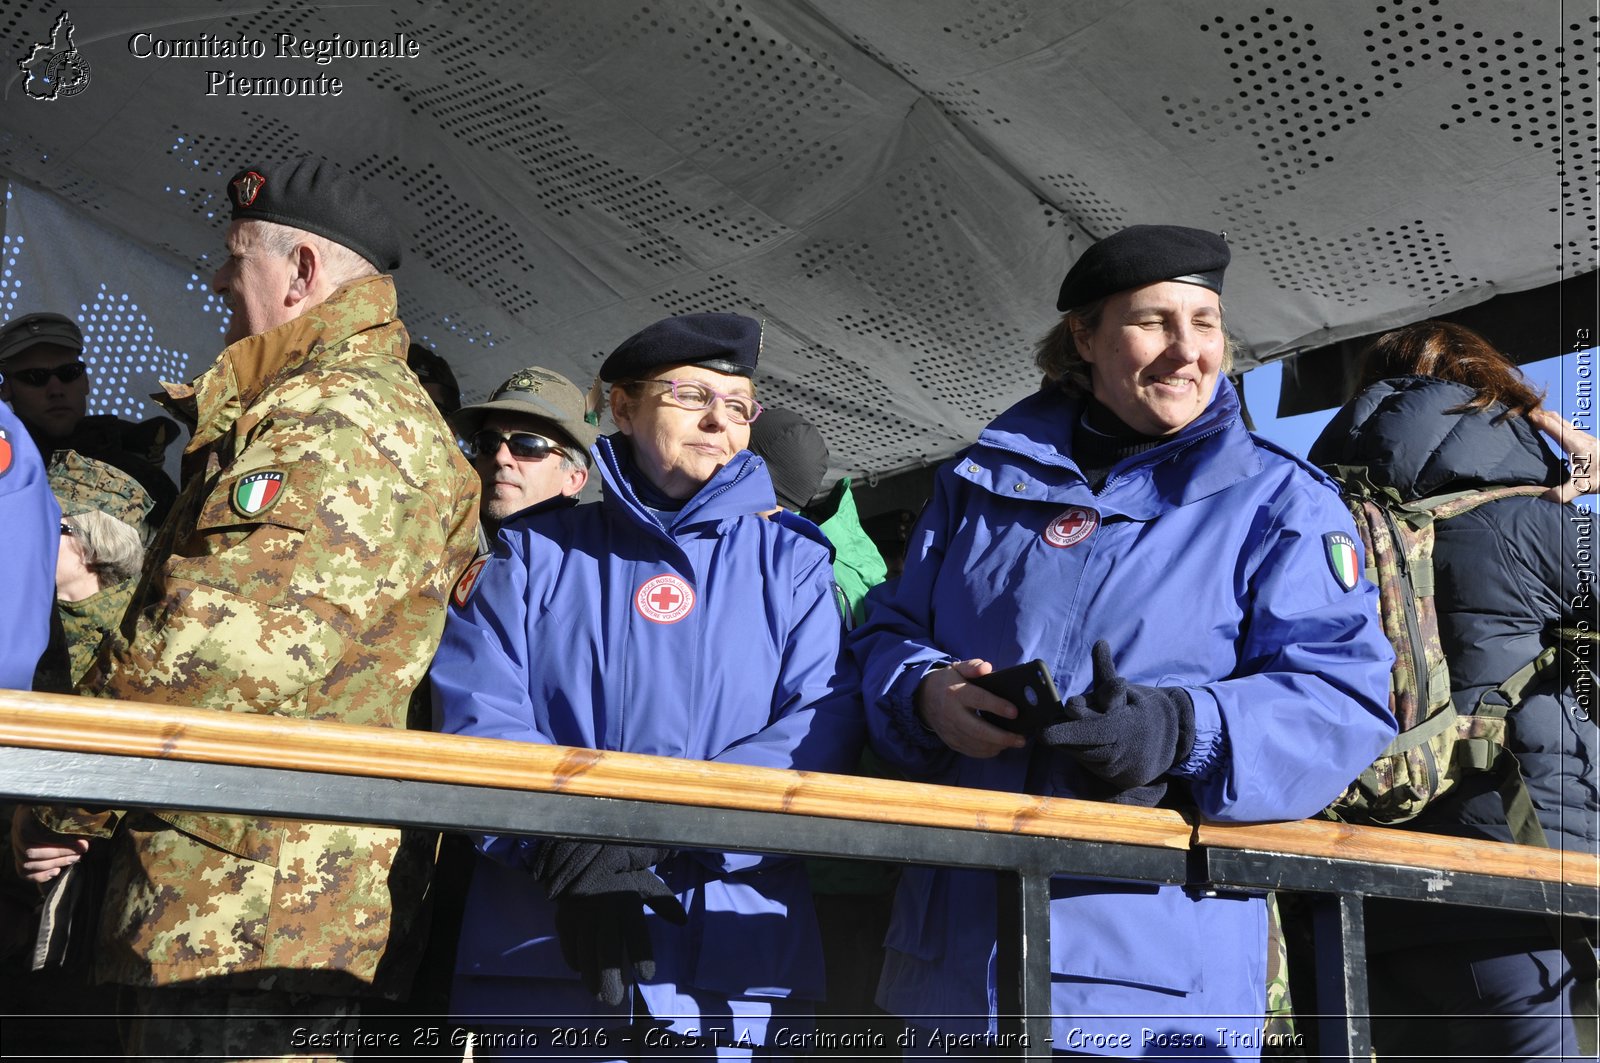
point(606, 941)
point(568, 867)
point(1127, 734)
point(600, 893)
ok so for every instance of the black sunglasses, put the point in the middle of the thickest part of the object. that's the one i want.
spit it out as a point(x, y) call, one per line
point(527, 446)
point(38, 378)
point(66, 529)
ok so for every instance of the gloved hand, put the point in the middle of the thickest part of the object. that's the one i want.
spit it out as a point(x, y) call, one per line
point(568, 867)
point(1128, 734)
point(605, 939)
point(600, 892)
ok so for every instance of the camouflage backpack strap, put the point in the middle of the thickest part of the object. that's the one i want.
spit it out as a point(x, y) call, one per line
point(1575, 936)
point(1455, 503)
point(1580, 650)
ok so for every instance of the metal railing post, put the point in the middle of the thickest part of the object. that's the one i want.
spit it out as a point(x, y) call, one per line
point(1022, 962)
point(1344, 1025)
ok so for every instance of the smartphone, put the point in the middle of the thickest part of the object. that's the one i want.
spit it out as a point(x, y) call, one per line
point(1028, 687)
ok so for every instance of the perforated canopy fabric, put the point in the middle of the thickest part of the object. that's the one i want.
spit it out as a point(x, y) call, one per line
point(895, 187)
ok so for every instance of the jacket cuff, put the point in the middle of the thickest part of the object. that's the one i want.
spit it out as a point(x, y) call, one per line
point(902, 705)
point(1210, 739)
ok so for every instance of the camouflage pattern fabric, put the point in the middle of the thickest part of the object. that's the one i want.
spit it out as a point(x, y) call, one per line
point(1279, 1039)
point(1436, 746)
point(83, 484)
point(88, 621)
point(135, 449)
point(304, 572)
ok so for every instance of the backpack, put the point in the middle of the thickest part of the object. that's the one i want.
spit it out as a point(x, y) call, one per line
point(1437, 745)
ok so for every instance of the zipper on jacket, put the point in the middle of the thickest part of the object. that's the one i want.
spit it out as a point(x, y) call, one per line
point(1116, 474)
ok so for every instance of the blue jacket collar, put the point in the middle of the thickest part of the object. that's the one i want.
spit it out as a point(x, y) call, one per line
point(1026, 452)
point(740, 488)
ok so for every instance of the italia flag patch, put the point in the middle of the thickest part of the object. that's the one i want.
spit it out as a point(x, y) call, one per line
point(1344, 558)
point(257, 492)
point(5, 452)
point(664, 599)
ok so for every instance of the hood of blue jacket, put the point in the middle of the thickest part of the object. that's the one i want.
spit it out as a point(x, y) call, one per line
point(738, 489)
point(1402, 430)
point(1027, 452)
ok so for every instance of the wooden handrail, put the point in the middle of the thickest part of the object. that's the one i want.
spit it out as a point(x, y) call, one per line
point(90, 725)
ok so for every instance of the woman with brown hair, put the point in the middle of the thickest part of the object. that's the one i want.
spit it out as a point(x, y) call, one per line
point(1444, 411)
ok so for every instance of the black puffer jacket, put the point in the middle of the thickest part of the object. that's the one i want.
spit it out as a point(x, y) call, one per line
point(1506, 573)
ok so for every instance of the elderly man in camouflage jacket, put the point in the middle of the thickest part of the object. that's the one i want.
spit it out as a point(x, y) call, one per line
point(303, 572)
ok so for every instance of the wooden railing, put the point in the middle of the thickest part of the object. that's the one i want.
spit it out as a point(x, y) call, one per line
point(105, 753)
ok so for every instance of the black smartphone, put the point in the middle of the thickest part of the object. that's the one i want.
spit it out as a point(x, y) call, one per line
point(1028, 687)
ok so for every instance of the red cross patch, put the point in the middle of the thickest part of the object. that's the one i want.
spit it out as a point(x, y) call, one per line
point(1073, 526)
point(469, 579)
point(5, 453)
point(664, 599)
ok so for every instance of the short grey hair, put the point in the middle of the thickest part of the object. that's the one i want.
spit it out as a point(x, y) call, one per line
point(343, 265)
point(112, 549)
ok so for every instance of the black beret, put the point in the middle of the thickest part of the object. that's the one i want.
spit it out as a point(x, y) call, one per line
point(795, 454)
point(1145, 254)
point(726, 343)
point(313, 195)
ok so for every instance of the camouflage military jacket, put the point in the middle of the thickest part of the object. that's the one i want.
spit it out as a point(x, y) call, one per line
point(88, 621)
point(303, 572)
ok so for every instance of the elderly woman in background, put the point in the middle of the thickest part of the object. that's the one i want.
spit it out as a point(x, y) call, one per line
point(101, 553)
point(667, 618)
point(1174, 573)
point(96, 567)
point(1443, 411)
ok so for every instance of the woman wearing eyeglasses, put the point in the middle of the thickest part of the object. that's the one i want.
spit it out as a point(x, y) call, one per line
point(667, 618)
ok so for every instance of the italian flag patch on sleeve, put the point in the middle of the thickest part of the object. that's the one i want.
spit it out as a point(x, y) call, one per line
point(1343, 558)
point(254, 494)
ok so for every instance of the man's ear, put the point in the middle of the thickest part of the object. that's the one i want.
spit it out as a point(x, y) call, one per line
point(577, 476)
point(307, 266)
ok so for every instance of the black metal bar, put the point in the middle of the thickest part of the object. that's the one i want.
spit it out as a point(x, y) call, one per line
point(102, 780)
point(1344, 1028)
point(1249, 869)
point(1022, 962)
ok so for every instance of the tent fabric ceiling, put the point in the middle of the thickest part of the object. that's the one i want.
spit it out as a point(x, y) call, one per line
point(894, 186)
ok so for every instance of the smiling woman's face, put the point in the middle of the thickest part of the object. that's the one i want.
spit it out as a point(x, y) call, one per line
point(1155, 355)
point(678, 450)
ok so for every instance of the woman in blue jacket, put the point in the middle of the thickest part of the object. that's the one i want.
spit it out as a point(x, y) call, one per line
point(1176, 574)
point(667, 618)
point(1444, 412)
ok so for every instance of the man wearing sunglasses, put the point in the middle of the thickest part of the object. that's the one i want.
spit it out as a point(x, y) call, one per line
point(529, 443)
point(44, 378)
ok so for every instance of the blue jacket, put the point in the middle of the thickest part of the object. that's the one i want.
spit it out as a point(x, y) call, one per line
point(32, 520)
point(1206, 568)
point(564, 641)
